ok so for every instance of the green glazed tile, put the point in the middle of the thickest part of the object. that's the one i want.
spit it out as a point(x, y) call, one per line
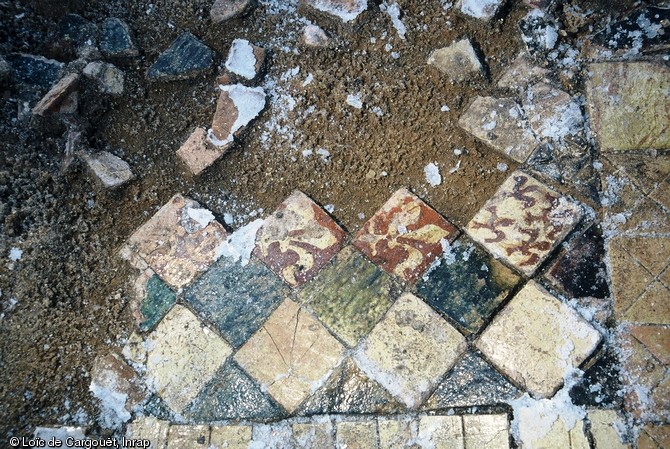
point(157, 302)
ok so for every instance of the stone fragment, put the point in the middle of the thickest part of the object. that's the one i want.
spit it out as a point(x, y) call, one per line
point(523, 222)
point(397, 433)
point(410, 349)
point(480, 9)
point(316, 434)
point(457, 61)
point(147, 428)
point(441, 432)
point(188, 437)
point(291, 355)
point(111, 170)
point(500, 123)
point(346, 11)
point(298, 239)
point(356, 435)
point(108, 77)
point(521, 73)
point(58, 97)
point(245, 60)
point(314, 36)
point(186, 57)
point(223, 10)
point(536, 340)
point(605, 428)
point(486, 431)
point(539, 32)
point(115, 39)
point(197, 153)
point(36, 71)
point(230, 437)
point(237, 106)
point(628, 104)
point(552, 113)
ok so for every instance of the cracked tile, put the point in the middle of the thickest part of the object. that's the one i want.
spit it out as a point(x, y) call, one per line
point(403, 237)
point(468, 285)
point(298, 239)
point(179, 242)
point(230, 437)
point(356, 435)
point(486, 431)
point(182, 356)
point(350, 295)
point(536, 340)
point(291, 355)
point(410, 350)
point(188, 437)
point(237, 299)
point(441, 432)
point(523, 222)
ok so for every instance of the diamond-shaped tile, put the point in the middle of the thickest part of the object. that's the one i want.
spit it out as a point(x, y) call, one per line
point(404, 236)
point(536, 340)
point(236, 298)
point(290, 355)
point(179, 242)
point(298, 239)
point(182, 357)
point(156, 303)
point(468, 285)
point(350, 295)
point(523, 222)
point(231, 394)
point(409, 350)
point(656, 339)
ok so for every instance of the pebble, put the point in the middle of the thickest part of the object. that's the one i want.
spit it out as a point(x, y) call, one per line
point(111, 170)
point(185, 58)
point(115, 39)
point(223, 10)
point(108, 77)
point(457, 61)
point(480, 9)
point(314, 36)
point(59, 97)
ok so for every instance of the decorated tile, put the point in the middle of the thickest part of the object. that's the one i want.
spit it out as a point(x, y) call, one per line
point(410, 350)
point(182, 356)
point(157, 302)
point(231, 394)
point(236, 298)
point(486, 431)
point(536, 340)
point(316, 434)
point(404, 236)
point(523, 222)
point(349, 295)
point(441, 432)
point(291, 355)
point(468, 285)
point(298, 239)
point(188, 437)
point(356, 435)
point(179, 242)
point(230, 437)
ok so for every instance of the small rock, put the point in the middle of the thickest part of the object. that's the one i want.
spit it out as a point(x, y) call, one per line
point(5, 70)
point(552, 113)
point(223, 10)
point(109, 78)
point(245, 60)
point(457, 61)
point(58, 96)
point(197, 153)
point(115, 39)
point(238, 105)
point(314, 36)
point(185, 58)
point(74, 35)
point(338, 14)
point(539, 32)
point(521, 73)
point(111, 170)
point(480, 9)
point(36, 71)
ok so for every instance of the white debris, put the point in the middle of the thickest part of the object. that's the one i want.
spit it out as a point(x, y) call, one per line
point(361, 216)
point(240, 244)
point(307, 153)
point(445, 108)
point(480, 9)
point(330, 208)
point(458, 151)
point(502, 167)
point(241, 59)
point(347, 11)
point(228, 218)
point(62, 434)
point(15, 254)
point(249, 102)
point(432, 173)
point(448, 255)
point(393, 10)
point(325, 154)
point(355, 100)
point(201, 216)
point(113, 413)
point(308, 80)
point(456, 167)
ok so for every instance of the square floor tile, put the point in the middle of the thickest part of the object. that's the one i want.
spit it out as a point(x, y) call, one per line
point(179, 242)
point(230, 437)
point(404, 236)
point(298, 239)
point(397, 433)
point(468, 285)
point(410, 350)
point(356, 435)
point(188, 437)
point(237, 299)
point(486, 431)
point(441, 432)
point(182, 356)
point(523, 222)
point(536, 340)
point(349, 295)
point(147, 428)
point(317, 434)
point(291, 355)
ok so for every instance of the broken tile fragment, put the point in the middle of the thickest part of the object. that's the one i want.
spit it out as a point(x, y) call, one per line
point(486, 431)
point(457, 61)
point(224, 10)
point(58, 97)
point(536, 340)
point(647, 171)
point(552, 113)
point(35, 71)
point(521, 73)
point(642, 30)
point(441, 432)
point(468, 286)
point(186, 57)
point(290, 355)
point(245, 60)
point(298, 239)
point(155, 303)
point(628, 103)
point(539, 32)
point(183, 355)
point(480, 9)
point(188, 437)
point(111, 170)
point(148, 428)
point(317, 434)
point(600, 386)
point(605, 427)
point(115, 39)
point(314, 36)
point(237, 106)
point(197, 153)
point(356, 435)
point(108, 77)
point(349, 295)
point(405, 236)
point(523, 222)
point(410, 350)
point(500, 123)
point(343, 10)
point(656, 339)
point(179, 242)
point(642, 373)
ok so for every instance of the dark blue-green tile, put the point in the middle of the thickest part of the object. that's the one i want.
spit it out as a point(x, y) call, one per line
point(156, 303)
point(468, 285)
point(236, 299)
point(231, 394)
